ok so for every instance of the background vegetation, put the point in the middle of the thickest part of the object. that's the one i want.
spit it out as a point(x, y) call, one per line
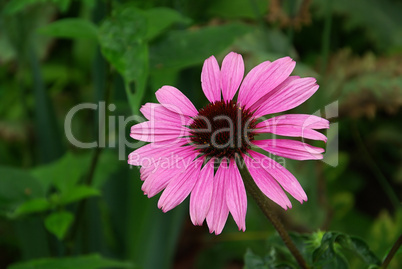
point(66, 207)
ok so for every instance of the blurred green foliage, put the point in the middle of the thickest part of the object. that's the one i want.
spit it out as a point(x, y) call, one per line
point(324, 250)
point(60, 203)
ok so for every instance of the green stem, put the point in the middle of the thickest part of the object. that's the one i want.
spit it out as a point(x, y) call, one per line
point(392, 252)
point(263, 203)
point(82, 204)
point(102, 129)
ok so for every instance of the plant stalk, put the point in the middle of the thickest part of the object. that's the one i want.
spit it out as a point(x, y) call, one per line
point(263, 203)
point(392, 252)
point(101, 129)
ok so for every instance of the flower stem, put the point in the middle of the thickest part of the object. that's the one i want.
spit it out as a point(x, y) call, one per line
point(263, 203)
point(392, 252)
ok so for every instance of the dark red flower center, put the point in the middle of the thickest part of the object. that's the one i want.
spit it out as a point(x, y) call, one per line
point(222, 129)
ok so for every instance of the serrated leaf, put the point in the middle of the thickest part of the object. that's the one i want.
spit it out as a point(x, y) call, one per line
point(93, 261)
point(161, 18)
point(58, 223)
point(190, 47)
point(78, 193)
point(74, 28)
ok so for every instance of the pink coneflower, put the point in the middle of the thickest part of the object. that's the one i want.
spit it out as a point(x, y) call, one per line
point(194, 151)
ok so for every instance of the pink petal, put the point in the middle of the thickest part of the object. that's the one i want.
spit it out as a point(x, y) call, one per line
point(264, 78)
point(161, 145)
point(236, 197)
point(156, 182)
point(210, 79)
point(263, 99)
point(157, 175)
point(180, 187)
point(266, 183)
point(291, 149)
point(154, 160)
point(281, 175)
point(231, 75)
point(150, 131)
point(200, 199)
point(156, 178)
point(305, 120)
point(150, 153)
point(288, 95)
point(176, 101)
point(296, 125)
point(218, 211)
point(157, 112)
point(144, 172)
point(293, 131)
point(154, 185)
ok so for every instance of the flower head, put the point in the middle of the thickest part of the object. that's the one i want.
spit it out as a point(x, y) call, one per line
point(192, 152)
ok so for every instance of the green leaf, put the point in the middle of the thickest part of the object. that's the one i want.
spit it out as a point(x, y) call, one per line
point(17, 187)
point(253, 261)
point(161, 18)
point(122, 38)
point(32, 206)
point(78, 193)
point(58, 223)
point(326, 254)
point(74, 28)
point(329, 253)
point(92, 261)
point(123, 42)
point(190, 47)
point(277, 256)
point(384, 231)
point(362, 250)
point(60, 173)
